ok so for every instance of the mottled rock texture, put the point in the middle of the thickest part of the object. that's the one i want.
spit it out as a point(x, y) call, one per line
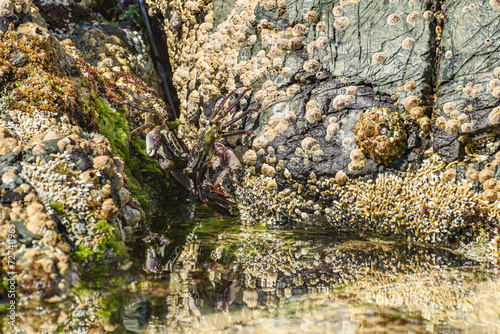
point(314, 68)
point(70, 170)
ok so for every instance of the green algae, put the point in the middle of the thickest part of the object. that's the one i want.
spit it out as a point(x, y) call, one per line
point(109, 240)
point(113, 125)
point(57, 207)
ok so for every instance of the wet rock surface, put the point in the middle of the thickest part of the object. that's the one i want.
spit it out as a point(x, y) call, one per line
point(375, 116)
point(70, 171)
point(314, 69)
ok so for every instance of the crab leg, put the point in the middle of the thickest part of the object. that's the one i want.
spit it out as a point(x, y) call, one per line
point(140, 128)
point(237, 132)
point(236, 119)
point(219, 108)
point(231, 107)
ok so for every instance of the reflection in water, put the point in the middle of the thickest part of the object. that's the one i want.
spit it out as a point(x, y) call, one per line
point(226, 277)
point(199, 274)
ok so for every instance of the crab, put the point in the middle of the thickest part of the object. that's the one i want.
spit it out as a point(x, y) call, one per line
point(201, 169)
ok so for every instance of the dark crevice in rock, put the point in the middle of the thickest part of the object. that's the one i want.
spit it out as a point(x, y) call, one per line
point(159, 54)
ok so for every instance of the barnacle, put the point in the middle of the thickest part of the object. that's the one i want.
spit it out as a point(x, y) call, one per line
point(331, 130)
point(448, 175)
point(289, 117)
point(313, 115)
point(250, 157)
point(292, 90)
point(322, 42)
point(452, 126)
point(338, 10)
point(299, 30)
point(440, 122)
point(393, 19)
point(311, 65)
point(490, 195)
point(454, 114)
point(412, 17)
point(416, 113)
point(341, 23)
point(409, 86)
point(381, 135)
point(378, 57)
point(494, 115)
point(340, 178)
point(294, 43)
point(408, 43)
point(339, 102)
point(311, 17)
point(351, 90)
point(312, 47)
point(308, 143)
point(411, 102)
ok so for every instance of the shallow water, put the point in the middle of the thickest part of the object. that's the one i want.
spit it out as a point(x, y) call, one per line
point(202, 274)
point(197, 273)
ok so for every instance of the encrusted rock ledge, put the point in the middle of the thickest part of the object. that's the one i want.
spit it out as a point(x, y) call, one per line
point(70, 170)
point(379, 116)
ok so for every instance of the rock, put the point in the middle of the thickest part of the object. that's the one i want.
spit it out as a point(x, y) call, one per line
point(124, 196)
point(131, 216)
point(38, 149)
point(109, 209)
point(104, 164)
point(89, 177)
point(52, 135)
point(118, 181)
point(10, 181)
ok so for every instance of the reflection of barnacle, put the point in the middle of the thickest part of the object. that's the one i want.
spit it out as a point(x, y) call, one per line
point(381, 134)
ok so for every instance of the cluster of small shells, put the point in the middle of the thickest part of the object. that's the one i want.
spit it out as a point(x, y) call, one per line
point(457, 121)
point(486, 177)
point(11, 7)
point(381, 134)
point(419, 204)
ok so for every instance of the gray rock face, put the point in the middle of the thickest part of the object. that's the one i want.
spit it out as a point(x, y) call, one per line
point(468, 75)
point(314, 69)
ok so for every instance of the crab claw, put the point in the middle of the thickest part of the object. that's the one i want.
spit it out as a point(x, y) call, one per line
point(151, 144)
point(166, 164)
point(227, 156)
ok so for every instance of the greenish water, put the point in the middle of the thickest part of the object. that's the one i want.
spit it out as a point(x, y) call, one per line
point(202, 274)
point(197, 273)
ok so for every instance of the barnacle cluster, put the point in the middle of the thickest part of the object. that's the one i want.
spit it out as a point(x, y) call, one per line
point(381, 134)
point(420, 204)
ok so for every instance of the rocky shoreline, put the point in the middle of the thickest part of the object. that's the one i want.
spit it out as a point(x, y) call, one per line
point(71, 92)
